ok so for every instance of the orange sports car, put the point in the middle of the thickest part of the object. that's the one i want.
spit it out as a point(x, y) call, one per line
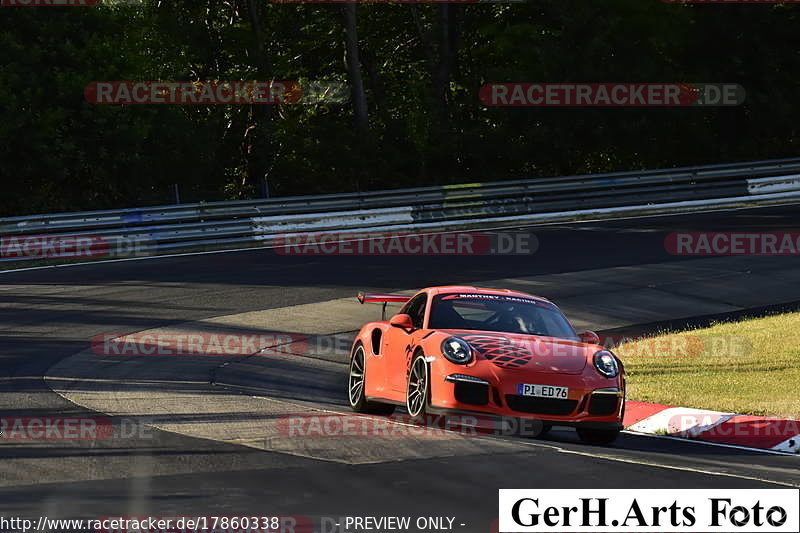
point(498, 353)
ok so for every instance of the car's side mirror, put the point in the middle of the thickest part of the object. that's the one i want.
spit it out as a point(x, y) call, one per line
point(402, 321)
point(590, 337)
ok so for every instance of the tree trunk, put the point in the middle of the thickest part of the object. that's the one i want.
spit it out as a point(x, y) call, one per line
point(257, 142)
point(444, 65)
point(353, 65)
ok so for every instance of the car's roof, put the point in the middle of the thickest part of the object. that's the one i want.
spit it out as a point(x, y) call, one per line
point(446, 289)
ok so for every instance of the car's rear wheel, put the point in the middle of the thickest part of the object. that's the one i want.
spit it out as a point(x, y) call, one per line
point(355, 386)
point(418, 389)
point(598, 436)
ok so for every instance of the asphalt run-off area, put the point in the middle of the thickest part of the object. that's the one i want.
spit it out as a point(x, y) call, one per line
point(219, 434)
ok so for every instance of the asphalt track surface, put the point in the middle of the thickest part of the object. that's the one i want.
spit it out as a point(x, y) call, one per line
point(47, 315)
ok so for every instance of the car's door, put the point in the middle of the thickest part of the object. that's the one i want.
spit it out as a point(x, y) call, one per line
point(399, 345)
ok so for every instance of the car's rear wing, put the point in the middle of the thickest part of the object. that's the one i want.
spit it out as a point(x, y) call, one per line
point(366, 297)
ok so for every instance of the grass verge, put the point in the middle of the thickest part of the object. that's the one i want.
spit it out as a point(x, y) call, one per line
point(750, 366)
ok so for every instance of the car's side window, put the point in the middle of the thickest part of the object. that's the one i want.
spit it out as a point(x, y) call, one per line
point(416, 309)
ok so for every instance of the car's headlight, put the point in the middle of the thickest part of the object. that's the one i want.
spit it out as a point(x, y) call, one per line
point(606, 363)
point(457, 350)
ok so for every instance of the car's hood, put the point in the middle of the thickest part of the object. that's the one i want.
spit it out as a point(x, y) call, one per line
point(528, 352)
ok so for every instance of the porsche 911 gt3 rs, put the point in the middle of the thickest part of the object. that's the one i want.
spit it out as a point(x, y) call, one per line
point(494, 352)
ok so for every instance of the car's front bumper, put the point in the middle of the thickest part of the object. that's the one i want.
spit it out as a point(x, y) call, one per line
point(492, 422)
point(593, 402)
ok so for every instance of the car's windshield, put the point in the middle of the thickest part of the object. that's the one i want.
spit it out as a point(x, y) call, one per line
point(497, 312)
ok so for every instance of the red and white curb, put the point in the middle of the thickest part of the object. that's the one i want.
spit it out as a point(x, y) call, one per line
point(782, 435)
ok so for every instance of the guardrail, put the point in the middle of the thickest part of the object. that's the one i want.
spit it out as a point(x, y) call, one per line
point(216, 225)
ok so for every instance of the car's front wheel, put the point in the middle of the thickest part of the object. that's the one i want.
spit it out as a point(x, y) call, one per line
point(418, 389)
point(355, 386)
point(598, 436)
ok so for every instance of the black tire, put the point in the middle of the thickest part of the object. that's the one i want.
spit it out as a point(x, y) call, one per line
point(355, 386)
point(598, 436)
point(418, 387)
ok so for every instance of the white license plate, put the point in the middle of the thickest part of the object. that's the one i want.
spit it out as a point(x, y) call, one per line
point(543, 391)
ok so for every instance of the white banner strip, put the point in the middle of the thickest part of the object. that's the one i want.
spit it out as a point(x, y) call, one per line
point(654, 510)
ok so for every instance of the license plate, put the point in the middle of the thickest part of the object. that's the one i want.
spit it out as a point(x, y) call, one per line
point(543, 391)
